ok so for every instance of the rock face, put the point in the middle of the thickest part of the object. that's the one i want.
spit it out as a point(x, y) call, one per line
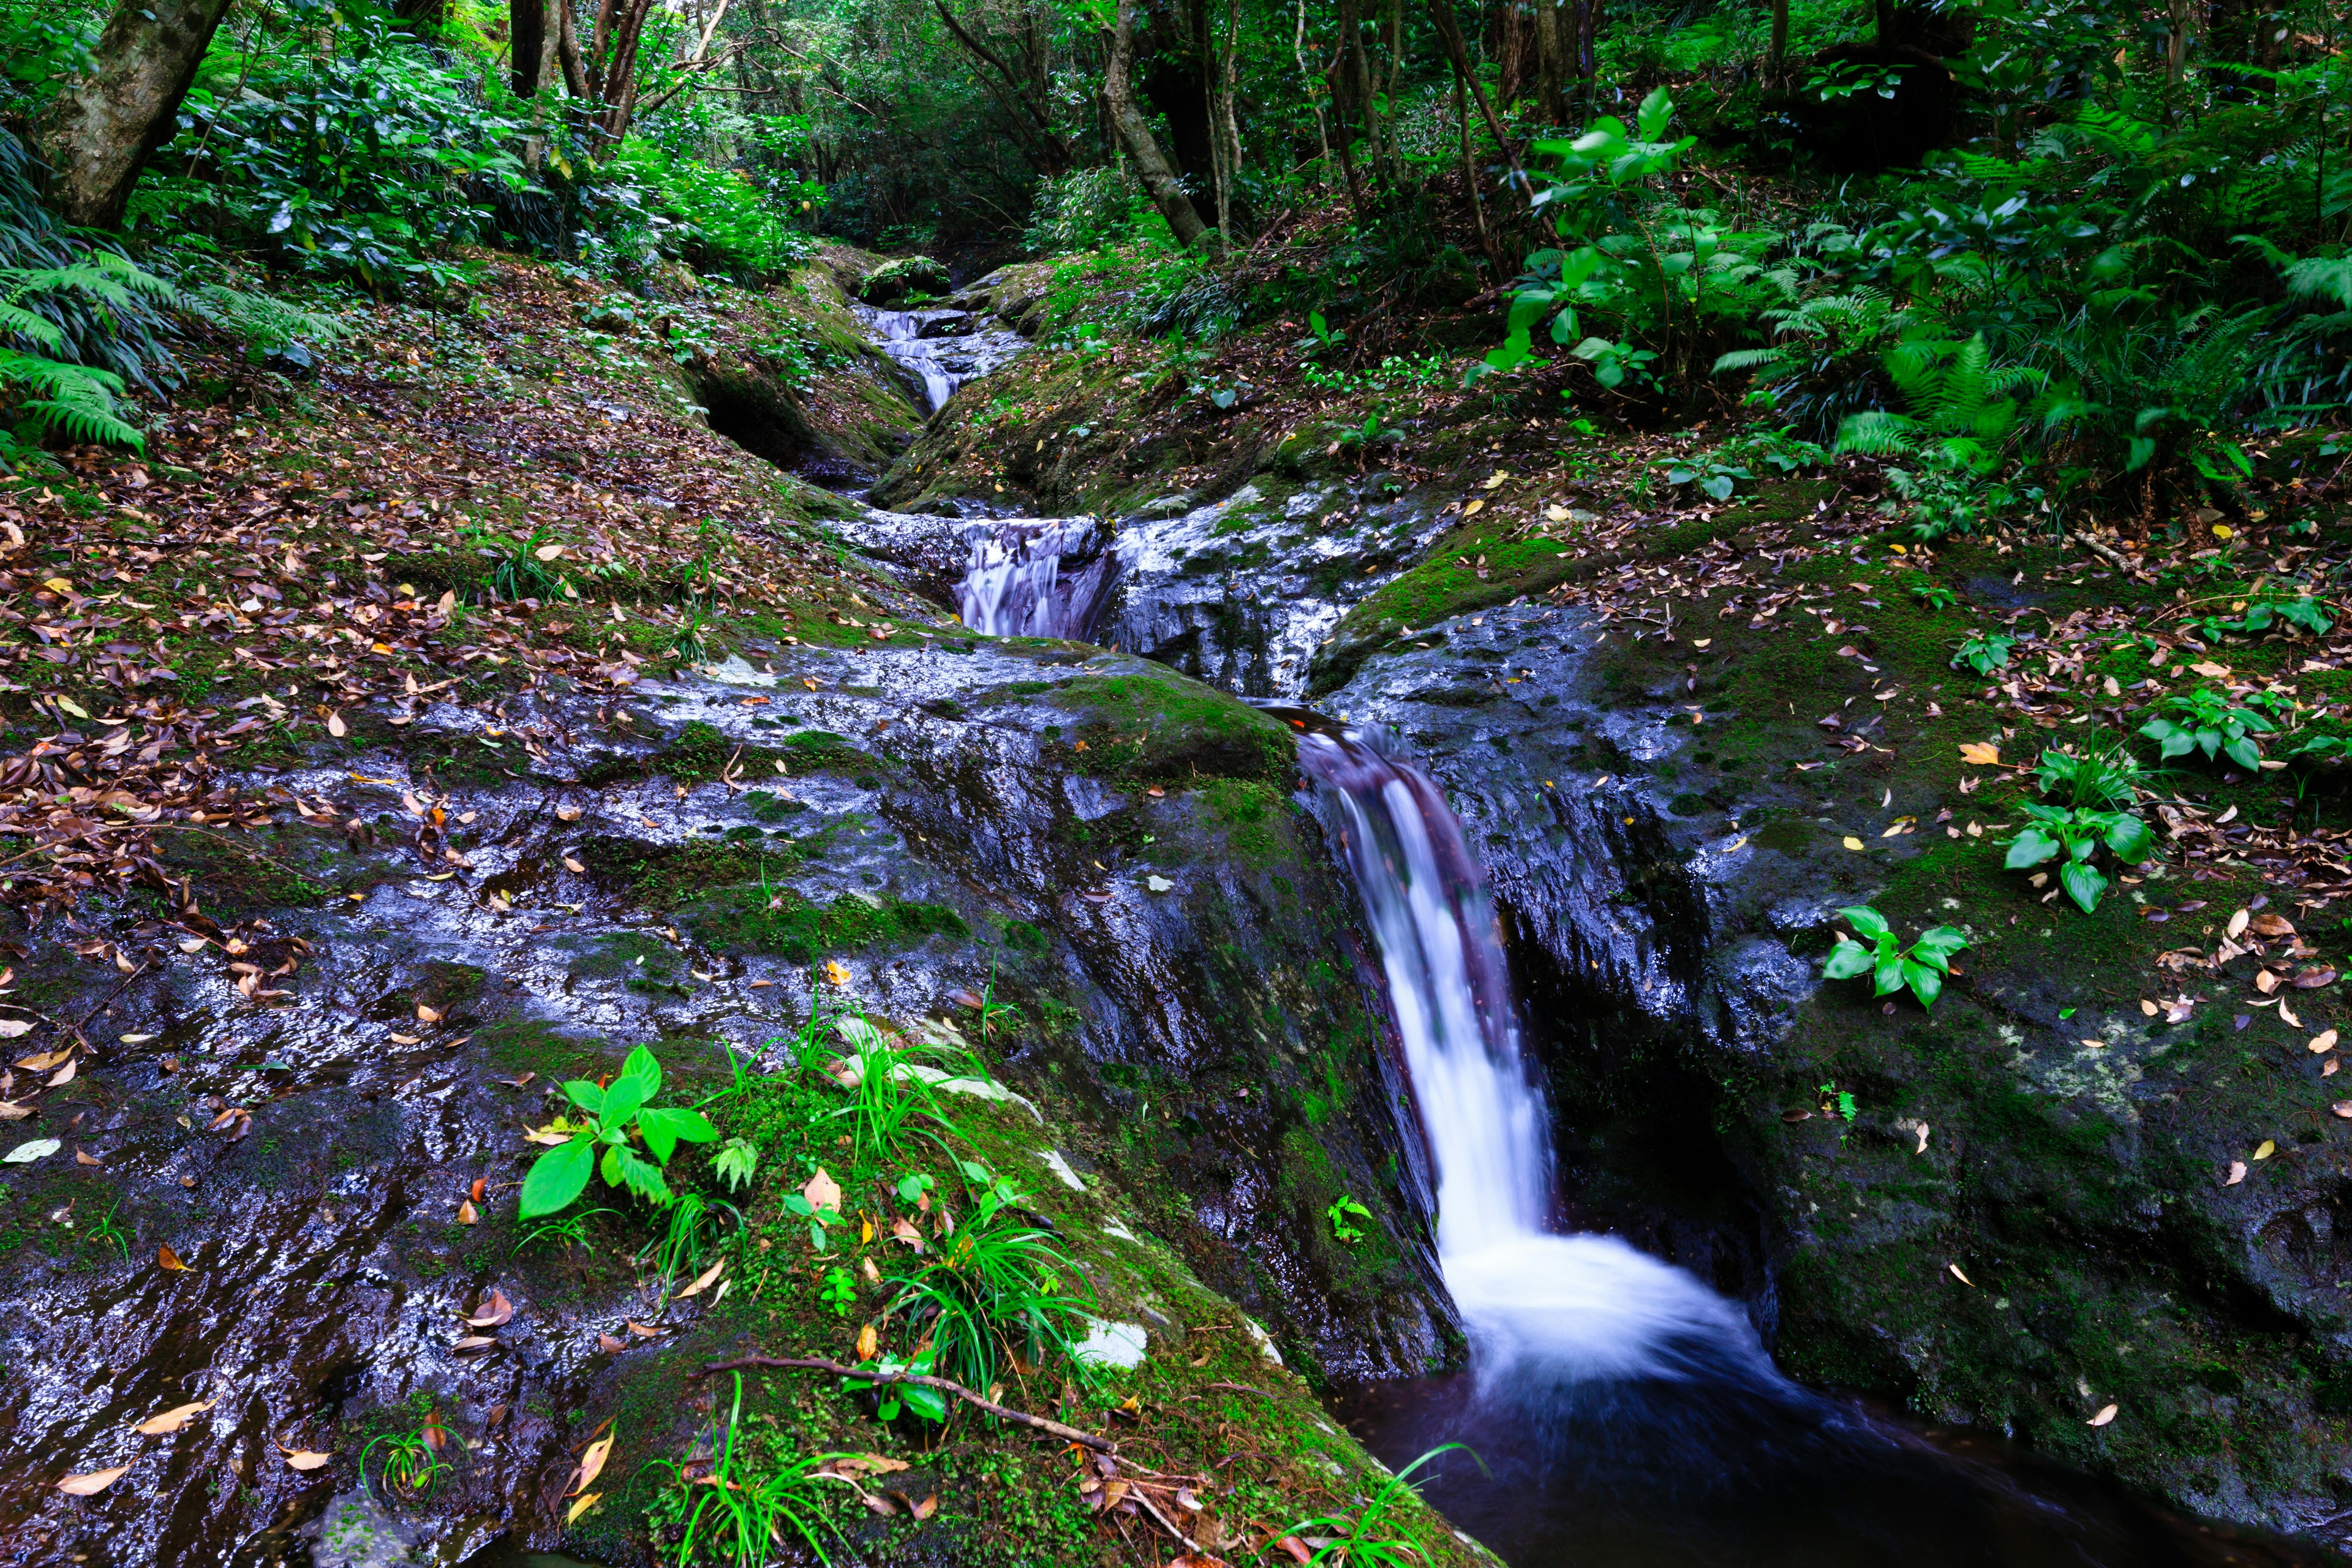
point(1111, 853)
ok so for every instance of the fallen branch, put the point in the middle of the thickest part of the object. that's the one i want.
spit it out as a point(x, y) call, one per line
point(2104, 552)
point(920, 1379)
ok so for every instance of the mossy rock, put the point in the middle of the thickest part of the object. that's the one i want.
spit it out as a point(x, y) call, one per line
point(894, 280)
point(1149, 727)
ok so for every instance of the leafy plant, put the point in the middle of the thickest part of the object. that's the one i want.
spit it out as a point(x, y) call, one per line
point(412, 1462)
point(1323, 337)
point(1371, 1536)
point(2303, 613)
point(1892, 966)
point(1964, 417)
point(1983, 653)
point(2207, 720)
point(694, 1228)
point(734, 1162)
point(55, 393)
point(821, 1218)
point(106, 1233)
point(572, 1229)
point(1343, 1213)
point(838, 1290)
point(1712, 474)
point(889, 1101)
point(2076, 832)
point(1932, 595)
point(2108, 778)
point(603, 1141)
point(998, 1289)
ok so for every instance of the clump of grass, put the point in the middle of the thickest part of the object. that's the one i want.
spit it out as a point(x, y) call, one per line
point(998, 1290)
point(1370, 1538)
point(732, 1509)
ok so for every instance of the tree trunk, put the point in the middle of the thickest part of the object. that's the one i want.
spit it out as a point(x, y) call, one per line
point(1135, 135)
point(104, 127)
point(526, 44)
point(1442, 13)
point(1777, 53)
point(1550, 97)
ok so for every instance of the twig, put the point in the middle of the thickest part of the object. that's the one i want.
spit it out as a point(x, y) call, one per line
point(1239, 1388)
point(920, 1379)
point(2104, 552)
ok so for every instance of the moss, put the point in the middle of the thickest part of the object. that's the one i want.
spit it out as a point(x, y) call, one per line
point(1153, 726)
point(699, 753)
point(742, 920)
point(274, 868)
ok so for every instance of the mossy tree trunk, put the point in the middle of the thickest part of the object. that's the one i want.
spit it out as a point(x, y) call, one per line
point(1151, 165)
point(103, 128)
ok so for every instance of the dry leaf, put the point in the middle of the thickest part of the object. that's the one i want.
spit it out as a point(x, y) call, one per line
point(608, 1344)
point(472, 1343)
point(2286, 1016)
point(335, 725)
point(466, 1213)
point(83, 1157)
point(2324, 1041)
point(834, 974)
point(497, 1313)
point(821, 1191)
point(303, 1458)
point(702, 1279)
point(165, 1259)
point(2268, 924)
point(902, 1231)
point(1960, 1277)
point(1852, 841)
point(2237, 1173)
point(171, 1420)
point(93, 1483)
point(2267, 1149)
point(567, 814)
point(2237, 926)
point(867, 1342)
point(592, 1465)
point(45, 1059)
point(427, 1015)
point(641, 1331)
point(581, 1505)
point(2105, 1415)
point(1979, 754)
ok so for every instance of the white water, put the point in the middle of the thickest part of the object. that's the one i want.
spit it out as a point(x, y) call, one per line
point(1536, 1305)
point(1035, 578)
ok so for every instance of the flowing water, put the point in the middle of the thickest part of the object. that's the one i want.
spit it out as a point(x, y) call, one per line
point(1038, 577)
point(1621, 1413)
point(942, 348)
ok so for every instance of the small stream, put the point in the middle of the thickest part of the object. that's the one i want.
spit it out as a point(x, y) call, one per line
point(942, 348)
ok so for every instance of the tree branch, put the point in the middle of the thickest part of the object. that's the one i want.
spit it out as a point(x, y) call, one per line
point(920, 1379)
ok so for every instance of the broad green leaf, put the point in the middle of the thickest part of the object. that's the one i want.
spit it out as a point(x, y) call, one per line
point(1889, 978)
point(2244, 752)
point(642, 1066)
point(1657, 111)
point(1865, 919)
point(2130, 840)
point(2030, 848)
point(557, 1177)
point(2083, 884)
point(666, 1127)
point(1926, 983)
point(586, 1096)
point(1936, 947)
point(1845, 961)
point(927, 1402)
point(623, 1096)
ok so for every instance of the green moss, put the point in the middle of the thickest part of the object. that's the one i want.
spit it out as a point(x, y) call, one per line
point(742, 920)
point(1152, 726)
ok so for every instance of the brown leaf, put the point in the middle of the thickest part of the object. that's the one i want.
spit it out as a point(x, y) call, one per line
point(2268, 924)
point(303, 1458)
point(854, 1466)
point(581, 1505)
point(902, 1231)
point(2312, 979)
point(641, 1332)
point(96, 1481)
point(868, 1342)
point(171, 1420)
point(496, 1312)
point(466, 1213)
point(167, 1259)
point(608, 1344)
point(821, 1191)
point(1296, 1548)
point(473, 1342)
point(2105, 1415)
point(567, 814)
point(83, 1157)
point(703, 1279)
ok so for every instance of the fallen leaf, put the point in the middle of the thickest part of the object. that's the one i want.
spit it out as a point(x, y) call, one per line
point(472, 1343)
point(2267, 1149)
point(641, 1331)
point(466, 1213)
point(45, 1060)
point(26, 1153)
point(2237, 1173)
point(335, 725)
point(867, 1342)
point(427, 1015)
point(1979, 754)
point(608, 1344)
point(497, 1313)
point(703, 1279)
point(567, 814)
point(2268, 924)
point(171, 1420)
point(834, 974)
point(581, 1505)
point(10, 1029)
point(2148, 1007)
point(1296, 1548)
point(900, 1230)
point(2237, 927)
point(93, 1483)
point(2287, 1015)
point(303, 1458)
point(2105, 1415)
point(592, 1465)
point(574, 866)
point(2324, 1041)
point(1852, 841)
point(2312, 979)
point(1960, 1277)
point(821, 1191)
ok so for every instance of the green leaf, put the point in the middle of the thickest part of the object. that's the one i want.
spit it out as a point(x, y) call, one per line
point(557, 1177)
point(666, 1127)
point(2244, 752)
point(2030, 848)
point(1657, 111)
point(1936, 947)
point(2130, 839)
point(641, 1177)
point(1866, 921)
point(1926, 983)
point(586, 1096)
point(2083, 884)
point(927, 1402)
point(642, 1067)
point(1845, 961)
point(1889, 977)
point(623, 1096)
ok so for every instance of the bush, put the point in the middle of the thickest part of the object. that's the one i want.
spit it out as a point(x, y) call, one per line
point(722, 223)
point(1086, 209)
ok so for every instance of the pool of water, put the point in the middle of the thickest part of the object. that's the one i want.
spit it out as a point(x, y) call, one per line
point(1700, 1473)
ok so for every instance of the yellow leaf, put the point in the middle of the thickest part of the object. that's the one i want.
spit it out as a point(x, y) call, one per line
point(303, 1458)
point(168, 1260)
point(2268, 1148)
point(171, 1420)
point(93, 1483)
point(2324, 1041)
point(69, 706)
point(1979, 754)
point(867, 1342)
point(1960, 1277)
point(2148, 1007)
point(579, 1506)
point(1473, 509)
point(2108, 1413)
point(702, 1279)
point(592, 1465)
point(1852, 841)
point(834, 974)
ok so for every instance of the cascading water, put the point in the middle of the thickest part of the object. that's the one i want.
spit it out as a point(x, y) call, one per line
point(1536, 1304)
point(1623, 1414)
point(1038, 577)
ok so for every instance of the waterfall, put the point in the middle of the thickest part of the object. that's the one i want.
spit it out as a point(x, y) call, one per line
point(1038, 577)
point(1539, 1307)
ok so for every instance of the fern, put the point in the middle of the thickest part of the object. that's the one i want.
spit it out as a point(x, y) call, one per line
point(78, 399)
point(263, 323)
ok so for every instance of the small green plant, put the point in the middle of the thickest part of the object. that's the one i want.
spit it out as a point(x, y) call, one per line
point(1323, 339)
point(2109, 778)
point(1892, 966)
point(2207, 720)
point(838, 1291)
point(1932, 595)
point(572, 1229)
point(735, 1161)
point(821, 1219)
point(725, 1507)
point(695, 1227)
point(601, 1142)
point(107, 1233)
point(1835, 1102)
point(2302, 614)
point(1343, 1215)
point(915, 1188)
point(2076, 832)
point(1371, 1537)
point(998, 1289)
point(891, 1102)
point(1984, 653)
point(1712, 474)
point(411, 1462)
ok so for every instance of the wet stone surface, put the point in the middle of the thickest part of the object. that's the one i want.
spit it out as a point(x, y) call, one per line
point(923, 818)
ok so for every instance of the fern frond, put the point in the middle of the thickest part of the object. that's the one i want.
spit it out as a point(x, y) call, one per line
point(75, 399)
point(1874, 431)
